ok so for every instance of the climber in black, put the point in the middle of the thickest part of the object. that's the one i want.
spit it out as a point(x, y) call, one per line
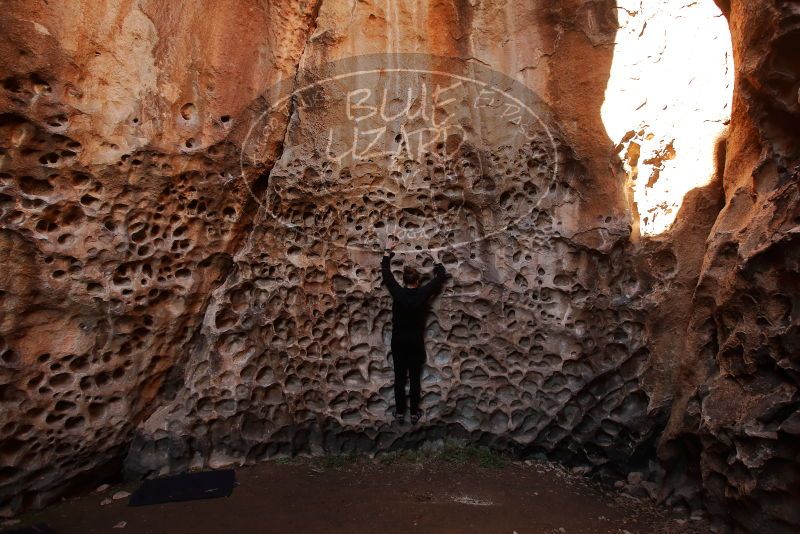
point(409, 310)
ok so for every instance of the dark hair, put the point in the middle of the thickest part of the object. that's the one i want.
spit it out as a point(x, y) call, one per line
point(410, 276)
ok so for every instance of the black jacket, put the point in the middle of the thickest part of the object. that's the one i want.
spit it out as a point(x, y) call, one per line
point(410, 305)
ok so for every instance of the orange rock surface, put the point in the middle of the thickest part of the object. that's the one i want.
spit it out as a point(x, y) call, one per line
point(194, 197)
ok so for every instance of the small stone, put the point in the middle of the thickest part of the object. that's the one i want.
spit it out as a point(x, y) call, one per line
point(562, 530)
point(635, 478)
point(105, 502)
point(121, 524)
point(102, 488)
point(619, 484)
point(11, 522)
point(120, 495)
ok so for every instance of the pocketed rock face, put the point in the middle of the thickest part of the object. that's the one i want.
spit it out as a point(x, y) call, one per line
point(733, 436)
point(534, 345)
point(113, 226)
point(539, 342)
point(191, 249)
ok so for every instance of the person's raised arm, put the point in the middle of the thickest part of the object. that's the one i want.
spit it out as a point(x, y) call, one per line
point(435, 285)
point(386, 268)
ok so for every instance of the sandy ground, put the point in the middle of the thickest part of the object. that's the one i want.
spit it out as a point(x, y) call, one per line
point(398, 494)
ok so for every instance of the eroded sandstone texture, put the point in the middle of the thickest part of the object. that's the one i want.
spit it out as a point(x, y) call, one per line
point(116, 145)
point(733, 434)
point(194, 200)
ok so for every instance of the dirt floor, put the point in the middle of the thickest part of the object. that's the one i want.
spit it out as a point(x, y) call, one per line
point(452, 491)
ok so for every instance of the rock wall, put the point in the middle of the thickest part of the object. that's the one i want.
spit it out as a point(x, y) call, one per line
point(118, 132)
point(733, 435)
point(537, 343)
point(194, 201)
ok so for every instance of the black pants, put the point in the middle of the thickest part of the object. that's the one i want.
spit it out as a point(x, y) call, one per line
point(409, 357)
